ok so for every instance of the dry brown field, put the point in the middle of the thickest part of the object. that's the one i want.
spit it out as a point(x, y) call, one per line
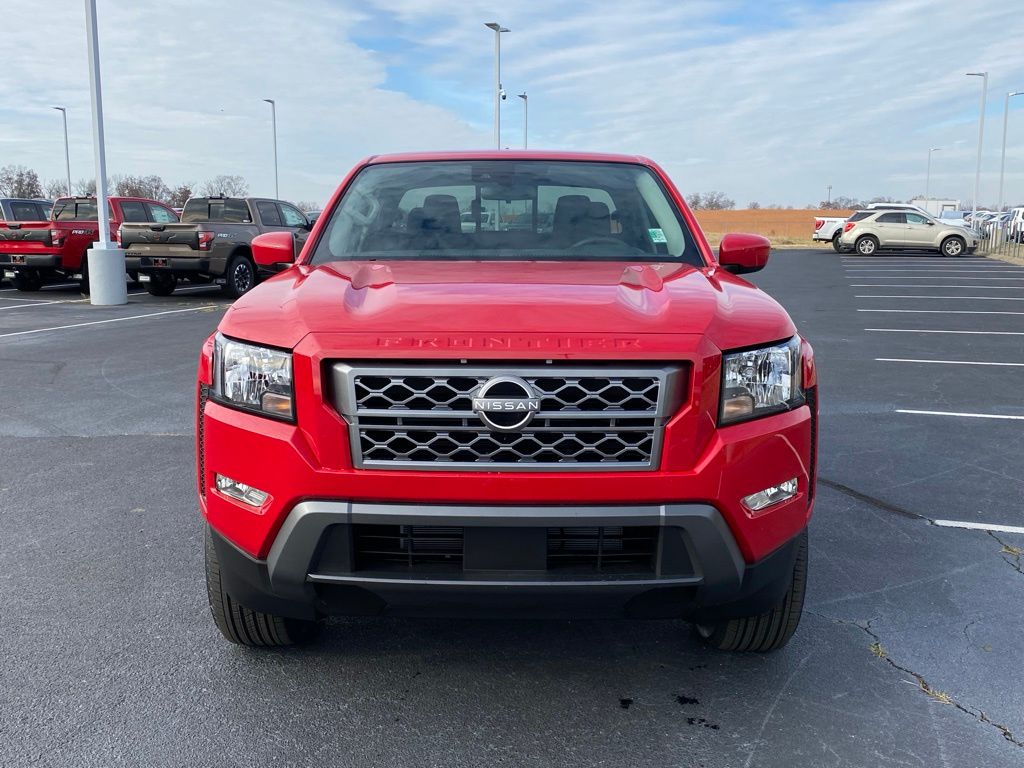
point(782, 227)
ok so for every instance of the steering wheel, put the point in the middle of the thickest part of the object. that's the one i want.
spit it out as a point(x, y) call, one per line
point(599, 239)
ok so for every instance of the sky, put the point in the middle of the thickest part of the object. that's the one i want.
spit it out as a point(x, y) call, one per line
point(766, 101)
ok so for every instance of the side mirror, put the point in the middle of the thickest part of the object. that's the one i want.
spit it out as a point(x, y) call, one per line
point(930, 223)
point(274, 250)
point(741, 254)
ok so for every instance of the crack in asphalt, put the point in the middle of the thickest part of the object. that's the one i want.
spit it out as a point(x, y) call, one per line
point(1008, 549)
point(874, 501)
point(877, 649)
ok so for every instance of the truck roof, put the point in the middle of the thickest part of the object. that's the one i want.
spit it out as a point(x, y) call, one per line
point(508, 154)
point(115, 198)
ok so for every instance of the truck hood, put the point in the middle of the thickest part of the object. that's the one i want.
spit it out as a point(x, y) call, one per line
point(564, 298)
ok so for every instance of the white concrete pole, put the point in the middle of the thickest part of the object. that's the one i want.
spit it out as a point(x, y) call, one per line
point(106, 275)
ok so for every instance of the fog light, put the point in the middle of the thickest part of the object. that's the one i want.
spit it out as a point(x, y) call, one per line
point(758, 501)
point(241, 491)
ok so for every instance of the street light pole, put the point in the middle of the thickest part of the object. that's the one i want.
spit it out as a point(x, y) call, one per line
point(981, 137)
point(526, 116)
point(1002, 160)
point(273, 122)
point(828, 198)
point(928, 175)
point(64, 114)
point(104, 276)
point(498, 29)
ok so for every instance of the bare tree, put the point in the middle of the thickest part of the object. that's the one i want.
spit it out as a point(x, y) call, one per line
point(753, 206)
point(180, 195)
point(696, 200)
point(308, 205)
point(19, 181)
point(230, 186)
point(85, 187)
point(152, 187)
point(717, 201)
point(55, 188)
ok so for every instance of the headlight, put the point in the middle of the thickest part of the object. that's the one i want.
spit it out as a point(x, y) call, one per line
point(253, 378)
point(761, 381)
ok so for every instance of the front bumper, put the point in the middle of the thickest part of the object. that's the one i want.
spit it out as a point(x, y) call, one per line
point(314, 567)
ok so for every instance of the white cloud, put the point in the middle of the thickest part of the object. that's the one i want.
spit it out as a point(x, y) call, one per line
point(767, 102)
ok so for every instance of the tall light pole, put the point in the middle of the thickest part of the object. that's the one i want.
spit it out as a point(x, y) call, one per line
point(64, 114)
point(981, 137)
point(526, 116)
point(928, 175)
point(828, 196)
point(1002, 161)
point(498, 29)
point(105, 277)
point(273, 123)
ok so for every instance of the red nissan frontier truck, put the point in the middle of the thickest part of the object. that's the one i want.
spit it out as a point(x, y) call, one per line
point(507, 384)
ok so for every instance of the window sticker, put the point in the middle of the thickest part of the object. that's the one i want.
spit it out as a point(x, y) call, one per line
point(657, 236)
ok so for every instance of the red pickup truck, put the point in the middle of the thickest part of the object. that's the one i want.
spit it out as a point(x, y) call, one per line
point(425, 412)
point(32, 252)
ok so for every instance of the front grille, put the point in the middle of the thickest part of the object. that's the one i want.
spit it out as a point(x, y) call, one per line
point(425, 547)
point(588, 418)
point(607, 549)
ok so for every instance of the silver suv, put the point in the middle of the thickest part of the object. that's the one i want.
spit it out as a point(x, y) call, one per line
point(867, 232)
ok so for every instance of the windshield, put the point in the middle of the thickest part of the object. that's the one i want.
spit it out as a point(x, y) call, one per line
point(511, 210)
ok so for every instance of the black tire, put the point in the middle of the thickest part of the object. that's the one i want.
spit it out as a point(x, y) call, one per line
point(953, 246)
point(243, 626)
point(161, 284)
point(835, 240)
point(27, 281)
point(83, 283)
point(133, 276)
point(240, 276)
point(866, 245)
point(770, 631)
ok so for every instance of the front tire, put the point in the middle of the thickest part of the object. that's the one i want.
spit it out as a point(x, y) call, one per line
point(770, 631)
point(242, 625)
point(953, 246)
point(867, 245)
point(240, 276)
point(835, 241)
point(161, 284)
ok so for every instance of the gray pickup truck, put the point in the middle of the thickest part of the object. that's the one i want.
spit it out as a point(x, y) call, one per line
point(211, 244)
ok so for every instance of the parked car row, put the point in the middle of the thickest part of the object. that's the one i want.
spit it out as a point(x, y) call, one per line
point(210, 243)
point(898, 226)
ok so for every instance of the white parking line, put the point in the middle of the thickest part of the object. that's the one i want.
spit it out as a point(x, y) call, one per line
point(933, 271)
point(932, 330)
point(931, 260)
point(994, 527)
point(34, 304)
point(927, 277)
point(58, 285)
point(961, 298)
point(36, 300)
point(910, 285)
point(56, 301)
point(961, 415)
point(946, 311)
point(944, 362)
point(111, 320)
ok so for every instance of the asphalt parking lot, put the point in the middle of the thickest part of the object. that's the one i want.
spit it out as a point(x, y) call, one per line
point(909, 653)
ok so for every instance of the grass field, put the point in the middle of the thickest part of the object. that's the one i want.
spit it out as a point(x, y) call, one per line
point(782, 227)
